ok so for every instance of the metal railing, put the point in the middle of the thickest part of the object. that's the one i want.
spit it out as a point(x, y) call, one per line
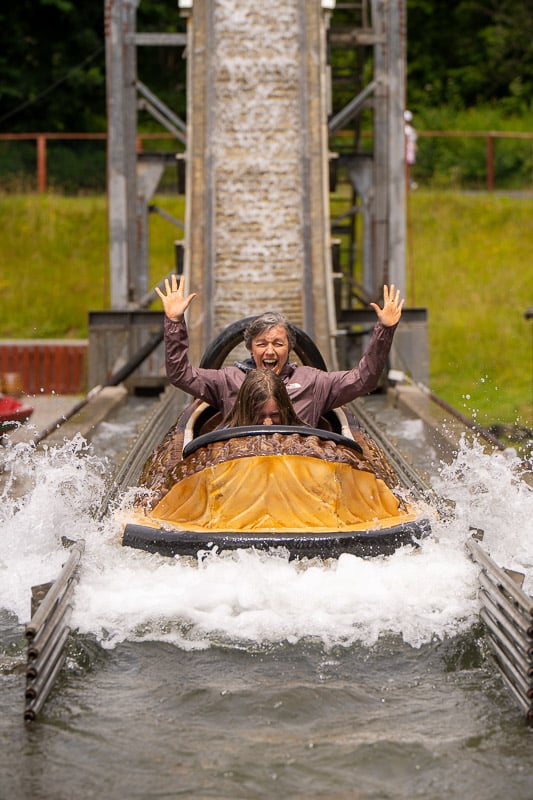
point(507, 612)
point(42, 139)
point(47, 633)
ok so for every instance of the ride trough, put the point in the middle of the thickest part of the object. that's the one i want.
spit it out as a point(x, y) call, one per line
point(312, 491)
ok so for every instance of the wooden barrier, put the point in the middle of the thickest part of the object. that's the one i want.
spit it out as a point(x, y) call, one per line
point(46, 366)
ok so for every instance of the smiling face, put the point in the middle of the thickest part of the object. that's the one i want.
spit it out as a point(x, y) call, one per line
point(270, 349)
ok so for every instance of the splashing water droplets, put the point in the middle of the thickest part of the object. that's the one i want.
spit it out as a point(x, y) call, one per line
point(489, 494)
point(249, 598)
point(46, 495)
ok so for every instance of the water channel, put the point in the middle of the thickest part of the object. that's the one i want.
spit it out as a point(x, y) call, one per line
point(248, 676)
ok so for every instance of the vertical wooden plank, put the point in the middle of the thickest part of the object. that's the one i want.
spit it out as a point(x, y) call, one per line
point(59, 369)
point(41, 163)
point(29, 369)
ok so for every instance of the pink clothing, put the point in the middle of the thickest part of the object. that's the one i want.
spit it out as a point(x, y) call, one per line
point(313, 392)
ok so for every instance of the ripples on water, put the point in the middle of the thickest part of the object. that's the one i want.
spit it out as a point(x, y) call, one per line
point(246, 675)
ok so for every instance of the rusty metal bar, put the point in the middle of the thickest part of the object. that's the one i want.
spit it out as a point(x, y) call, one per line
point(507, 614)
point(41, 163)
point(511, 618)
point(490, 163)
point(519, 596)
point(47, 633)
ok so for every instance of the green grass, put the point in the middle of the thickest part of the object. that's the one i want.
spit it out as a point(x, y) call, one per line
point(55, 263)
point(469, 263)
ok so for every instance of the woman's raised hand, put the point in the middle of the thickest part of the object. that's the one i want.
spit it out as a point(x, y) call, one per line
point(392, 306)
point(174, 301)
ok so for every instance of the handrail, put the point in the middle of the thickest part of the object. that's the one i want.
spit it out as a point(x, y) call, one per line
point(507, 613)
point(41, 139)
point(47, 633)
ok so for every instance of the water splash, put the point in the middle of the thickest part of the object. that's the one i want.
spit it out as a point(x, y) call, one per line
point(250, 598)
point(489, 493)
point(46, 496)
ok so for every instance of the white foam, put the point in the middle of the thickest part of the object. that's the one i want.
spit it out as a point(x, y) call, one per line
point(250, 598)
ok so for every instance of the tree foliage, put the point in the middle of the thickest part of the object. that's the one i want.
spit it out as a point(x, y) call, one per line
point(52, 63)
point(52, 66)
point(52, 60)
point(462, 53)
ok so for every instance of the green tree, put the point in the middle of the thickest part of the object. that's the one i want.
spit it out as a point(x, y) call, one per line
point(52, 63)
point(52, 66)
point(465, 52)
point(461, 53)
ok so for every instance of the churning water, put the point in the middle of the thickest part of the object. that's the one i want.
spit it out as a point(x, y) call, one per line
point(246, 675)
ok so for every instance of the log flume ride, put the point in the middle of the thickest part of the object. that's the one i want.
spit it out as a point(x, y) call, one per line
point(313, 491)
point(296, 477)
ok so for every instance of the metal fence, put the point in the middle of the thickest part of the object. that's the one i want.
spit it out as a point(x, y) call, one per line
point(72, 163)
point(44, 366)
point(75, 163)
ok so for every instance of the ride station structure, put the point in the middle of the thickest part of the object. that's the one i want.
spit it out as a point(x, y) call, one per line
point(263, 157)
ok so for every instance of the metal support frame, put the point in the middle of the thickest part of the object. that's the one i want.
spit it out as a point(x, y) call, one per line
point(378, 32)
point(47, 633)
point(131, 182)
point(507, 613)
point(377, 177)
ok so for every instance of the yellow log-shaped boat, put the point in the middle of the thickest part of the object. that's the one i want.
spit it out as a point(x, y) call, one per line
point(315, 492)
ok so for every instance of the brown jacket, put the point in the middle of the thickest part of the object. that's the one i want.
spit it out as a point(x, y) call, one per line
point(313, 392)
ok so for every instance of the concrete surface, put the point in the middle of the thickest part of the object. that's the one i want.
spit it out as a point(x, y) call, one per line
point(53, 412)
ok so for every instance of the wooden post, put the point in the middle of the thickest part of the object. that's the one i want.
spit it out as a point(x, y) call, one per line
point(490, 163)
point(41, 163)
point(121, 156)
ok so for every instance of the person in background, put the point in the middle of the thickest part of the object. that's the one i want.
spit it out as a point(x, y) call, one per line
point(262, 400)
point(270, 338)
point(411, 137)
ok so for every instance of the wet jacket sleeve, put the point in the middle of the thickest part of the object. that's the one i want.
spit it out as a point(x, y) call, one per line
point(206, 384)
point(337, 388)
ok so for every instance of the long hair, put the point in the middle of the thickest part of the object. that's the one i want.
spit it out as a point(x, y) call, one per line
point(259, 386)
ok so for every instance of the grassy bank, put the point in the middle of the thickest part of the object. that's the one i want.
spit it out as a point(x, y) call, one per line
point(55, 262)
point(469, 264)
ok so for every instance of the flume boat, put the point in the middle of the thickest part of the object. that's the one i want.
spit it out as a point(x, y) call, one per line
point(313, 491)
